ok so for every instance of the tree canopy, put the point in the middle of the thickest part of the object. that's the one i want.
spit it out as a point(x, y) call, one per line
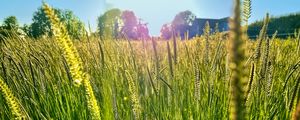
point(41, 25)
point(166, 31)
point(10, 25)
point(109, 23)
point(181, 24)
point(115, 23)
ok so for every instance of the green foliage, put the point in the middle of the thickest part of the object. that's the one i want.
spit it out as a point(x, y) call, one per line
point(182, 22)
point(109, 24)
point(41, 26)
point(10, 26)
point(115, 24)
point(11, 23)
point(26, 29)
point(285, 25)
point(75, 27)
point(184, 18)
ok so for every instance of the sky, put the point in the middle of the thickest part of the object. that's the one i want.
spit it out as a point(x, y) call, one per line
point(154, 12)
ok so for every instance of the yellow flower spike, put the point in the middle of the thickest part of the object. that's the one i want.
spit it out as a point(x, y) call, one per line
point(64, 41)
point(91, 99)
point(11, 101)
point(73, 60)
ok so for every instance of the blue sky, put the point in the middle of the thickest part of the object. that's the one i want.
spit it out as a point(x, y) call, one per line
point(154, 12)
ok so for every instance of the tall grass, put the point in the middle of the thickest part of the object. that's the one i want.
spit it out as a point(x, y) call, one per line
point(39, 77)
point(72, 59)
point(156, 79)
point(11, 101)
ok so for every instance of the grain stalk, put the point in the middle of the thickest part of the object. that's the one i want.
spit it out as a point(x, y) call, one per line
point(174, 47)
point(197, 82)
point(298, 42)
point(260, 39)
point(11, 101)
point(269, 78)
point(269, 71)
point(62, 38)
point(296, 90)
point(136, 108)
point(73, 60)
point(101, 54)
point(91, 99)
point(157, 65)
point(247, 9)
point(251, 77)
point(238, 82)
point(296, 113)
point(265, 60)
point(206, 31)
point(170, 60)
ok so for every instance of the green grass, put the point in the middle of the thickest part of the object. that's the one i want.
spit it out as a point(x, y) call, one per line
point(38, 75)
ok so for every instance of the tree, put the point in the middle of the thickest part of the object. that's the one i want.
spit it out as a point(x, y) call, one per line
point(11, 23)
point(41, 26)
point(182, 22)
point(10, 26)
point(130, 22)
point(166, 31)
point(142, 30)
point(26, 29)
point(133, 28)
point(117, 24)
point(109, 24)
point(74, 26)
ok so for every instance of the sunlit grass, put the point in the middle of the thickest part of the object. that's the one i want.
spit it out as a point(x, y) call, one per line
point(38, 74)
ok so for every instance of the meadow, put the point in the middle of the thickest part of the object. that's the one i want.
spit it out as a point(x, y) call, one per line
point(150, 79)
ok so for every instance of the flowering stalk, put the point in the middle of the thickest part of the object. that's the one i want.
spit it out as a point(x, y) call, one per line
point(74, 62)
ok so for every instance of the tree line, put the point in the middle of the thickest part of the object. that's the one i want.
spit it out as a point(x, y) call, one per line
point(113, 24)
point(40, 26)
point(116, 24)
point(284, 25)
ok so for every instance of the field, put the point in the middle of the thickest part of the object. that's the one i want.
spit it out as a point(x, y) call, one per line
point(214, 76)
point(179, 81)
